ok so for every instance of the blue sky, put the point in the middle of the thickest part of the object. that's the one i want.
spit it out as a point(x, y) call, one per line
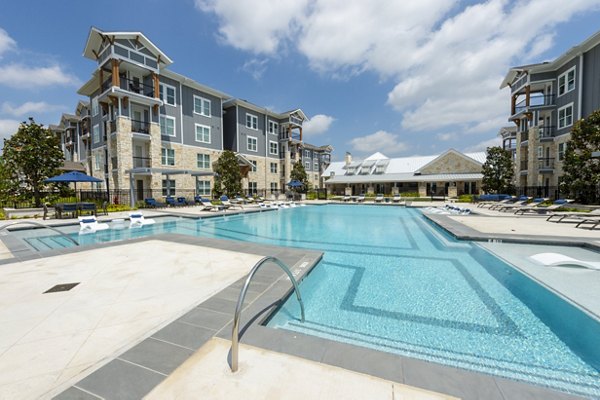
point(400, 77)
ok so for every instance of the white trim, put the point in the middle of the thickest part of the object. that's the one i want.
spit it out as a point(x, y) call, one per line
point(174, 125)
point(221, 127)
point(196, 126)
point(164, 95)
point(203, 156)
point(202, 100)
point(580, 85)
point(95, 109)
point(254, 119)
point(276, 168)
point(276, 124)
point(94, 137)
point(248, 137)
point(566, 75)
point(181, 110)
point(276, 147)
point(558, 116)
point(166, 157)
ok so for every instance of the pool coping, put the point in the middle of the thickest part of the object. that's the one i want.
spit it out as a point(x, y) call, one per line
point(127, 373)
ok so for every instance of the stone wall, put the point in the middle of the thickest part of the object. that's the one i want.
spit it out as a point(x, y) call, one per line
point(452, 163)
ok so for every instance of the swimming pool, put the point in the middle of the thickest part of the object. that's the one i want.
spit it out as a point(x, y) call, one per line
point(391, 281)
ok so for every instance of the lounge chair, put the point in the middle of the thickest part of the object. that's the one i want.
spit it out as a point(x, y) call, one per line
point(361, 198)
point(557, 259)
point(249, 199)
point(207, 205)
point(570, 215)
point(536, 207)
point(396, 198)
point(228, 204)
point(171, 202)
point(346, 198)
point(379, 198)
point(593, 221)
point(152, 203)
point(182, 202)
point(493, 199)
point(90, 224)
point(520, 202)
point(136, 219)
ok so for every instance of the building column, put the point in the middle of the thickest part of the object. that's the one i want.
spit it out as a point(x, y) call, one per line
point(115, 73)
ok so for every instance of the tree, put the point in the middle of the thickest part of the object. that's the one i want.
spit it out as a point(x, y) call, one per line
point(581, 172)
point(30, 156)
point(298, 173)
point(229, 178)
point(498, 171)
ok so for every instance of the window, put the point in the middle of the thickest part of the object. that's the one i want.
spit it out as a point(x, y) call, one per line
point(167, 156)
point(566, 82)
point(307, 165)
point(203, 161)
point(167, 125)
point(203, 188)
point(95, 108)
point(565, 116)
point(561, 151)
point(540, 152)
point(168, 187)
point(273, 168)
point(273, 148)
point(274, 187)
point(96, 133)
point(252, 121)
point(316, 165)
point(201, 106)
point(252, 188)
point(167, 94)
point(98, 161)
point(273, 127)
point(307, 153)
point(253, 165)
point(251, 143)
point(202, 133)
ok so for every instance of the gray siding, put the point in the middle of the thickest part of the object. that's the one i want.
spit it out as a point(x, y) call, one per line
point(230, 129)
point(190, 119)
point(272, 137)
point(97, 120)
point(543, 76)
point(172, 111)
point(591, 81)
point(572, 96)
point(244, 132)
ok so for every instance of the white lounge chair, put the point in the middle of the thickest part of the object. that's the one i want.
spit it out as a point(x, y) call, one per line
point(557, 259)
point(396, 198)
point(136, 219)
point(90, 224)
point(207, 205)
point(379, 198)
point(360, 198)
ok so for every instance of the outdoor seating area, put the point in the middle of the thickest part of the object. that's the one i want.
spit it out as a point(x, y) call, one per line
point(73, 210)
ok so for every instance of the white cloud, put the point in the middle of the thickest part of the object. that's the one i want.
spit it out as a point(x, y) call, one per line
point(446, 137)
point(445, 62)
point(378, 141)
point(482, 146)
point(317, 125)
point(22, 76)
point(27, 108)
point(6, 42)
point(7, 128)
point(255, 67)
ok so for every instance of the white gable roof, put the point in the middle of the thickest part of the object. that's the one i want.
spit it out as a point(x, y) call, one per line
point(377, 156)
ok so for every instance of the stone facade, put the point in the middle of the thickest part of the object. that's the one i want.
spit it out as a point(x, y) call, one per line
point(453, 163)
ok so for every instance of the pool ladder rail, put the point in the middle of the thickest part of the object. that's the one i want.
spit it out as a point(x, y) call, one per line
point(240, 302)
point(40, 225)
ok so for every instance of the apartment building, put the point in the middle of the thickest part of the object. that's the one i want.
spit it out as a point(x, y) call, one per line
point(546, 99)
point(149, 130)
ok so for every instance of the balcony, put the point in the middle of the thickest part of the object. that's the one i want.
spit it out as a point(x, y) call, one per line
point(130, 85)
point(535, 101)
point(285, 136)
point(546, 164)
point(142, 162)
point(524, 136)
point(140, 127)
point(546, 133)
point(524, 165)
point(295, 120)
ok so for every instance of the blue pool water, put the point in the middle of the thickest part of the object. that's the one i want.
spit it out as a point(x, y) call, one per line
point(391, 281)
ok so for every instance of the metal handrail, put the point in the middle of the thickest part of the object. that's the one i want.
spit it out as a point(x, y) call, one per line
point(240, 302)
point(43, 226)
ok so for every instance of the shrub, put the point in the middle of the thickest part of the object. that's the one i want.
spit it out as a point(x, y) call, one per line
point(117, 207)
point(466, 198)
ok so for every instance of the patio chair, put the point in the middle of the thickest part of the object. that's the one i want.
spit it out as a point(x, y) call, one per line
point(593, 221)
point(570, 215)
point(250, 199)
point(379, 198)
point(361, 198)
point(522, 201)
point(228, 204)
point(557, 259)
point(90, 224)
point(171, 202)
point(207, 205)
point(346, 198)
point(136, 220)
point(396, 198)
point(182, 202)
point(152, 203)
point(88, 207)
point(539, 209)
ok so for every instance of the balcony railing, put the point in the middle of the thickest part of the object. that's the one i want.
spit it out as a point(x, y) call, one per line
point(546, 132)
point(524, 165)
point(545, 163)
point(131, 86)
point(535, 101)
point(142, 162)
point(284, 135)
point(140, 126)
point(295, 120)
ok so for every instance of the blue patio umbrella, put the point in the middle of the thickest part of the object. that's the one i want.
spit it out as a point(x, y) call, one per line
point(73, 176)
point(294, 183)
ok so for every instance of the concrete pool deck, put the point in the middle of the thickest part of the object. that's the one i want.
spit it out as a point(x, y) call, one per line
point(157, 352)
